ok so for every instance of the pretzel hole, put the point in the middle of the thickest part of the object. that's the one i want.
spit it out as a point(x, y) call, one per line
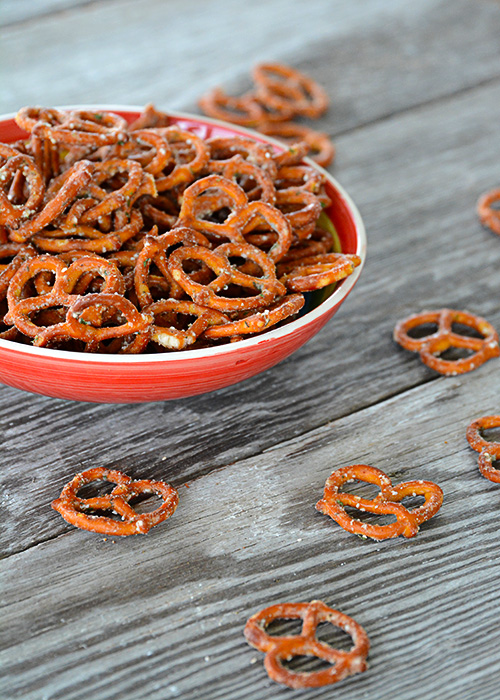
point(454, 354)
point(423, 330)
point(467, 331)
point(361, 488)
point(412, 502)
point(371, 518)
point(491, 434)
point(284, 627)
point(306, 664)
point(334, 636)
point(146, 503)
point(217, 216)
point(43, 318)
point(98, 487)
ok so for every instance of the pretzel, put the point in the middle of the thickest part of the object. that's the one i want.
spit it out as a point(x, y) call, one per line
point(301, 208)
point(186, 167)
point(79, 326)
point(78, 511)
point(75, 180)
point(489, 216)
point(267, 285)
point(73, 127)
point(489, 451)
point(260, 154)
point(284, 648)
point(61, 294)
point(433, 345)
point(172, 338)
point(238, 169)
point(259, 321)
point(386, 502)
point(322, 151)
point(20, 170)
point(81, 237)
point(314, 272)
point(285, 88)
point(156, 249)
point(244, 110)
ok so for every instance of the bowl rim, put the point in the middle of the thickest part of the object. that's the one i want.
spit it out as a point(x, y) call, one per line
point(333, 300)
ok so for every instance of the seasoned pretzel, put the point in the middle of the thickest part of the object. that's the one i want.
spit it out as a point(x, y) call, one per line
point(226, 147)
point(172, 338)
point(244, 110)
point(301, 208)
point(186, 165)
point(78, 511)
point(309, 273)
point(79, 324)
point(285, 648)
point(285, 88)
point(156, 249)
point(19, 170)
point(489, 216)
point(71, 237)
point(109, 201)
point(321, 150)
point(237, 168)
point(61, 294)
point(489, 451)
point(386, 502)
point(74, 127)
point(266, 286)
point(259, 321)
point(432, 346)
point(76, 179)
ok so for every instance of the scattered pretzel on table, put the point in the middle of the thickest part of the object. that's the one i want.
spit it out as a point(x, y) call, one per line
point(280, 94)
point(388, 501)
point(280, 649)
point(489, 451)
point(78, 511)
point(434, 344)
point(488, 215)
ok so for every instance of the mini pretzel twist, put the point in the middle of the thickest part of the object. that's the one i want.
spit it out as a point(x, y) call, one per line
point(61, 294)
point(386, 502)
point(286, 88)
point(259, 321)
point(489, 216)
point(432, 346)
point(17, 170)
point(489, 451)
point(309, 273)
point(285, 648)
point(73, 127)
point(266, 286)
point(78, 511)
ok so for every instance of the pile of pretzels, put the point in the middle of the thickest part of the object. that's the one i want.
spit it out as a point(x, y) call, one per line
point(120, 237)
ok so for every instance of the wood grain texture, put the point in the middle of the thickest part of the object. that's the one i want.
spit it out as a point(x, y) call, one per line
point(415, 87)
point(173, 604)
point(416, 179)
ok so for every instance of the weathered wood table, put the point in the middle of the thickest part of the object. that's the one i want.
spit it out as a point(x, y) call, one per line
point(415, 93)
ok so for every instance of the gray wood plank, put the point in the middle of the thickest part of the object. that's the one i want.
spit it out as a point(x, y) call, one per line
point(416, 179)
point(161, 616)
point(373, 63)
point(14, 11)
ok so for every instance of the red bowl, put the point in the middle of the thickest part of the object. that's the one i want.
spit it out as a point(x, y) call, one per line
point(171, 375)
